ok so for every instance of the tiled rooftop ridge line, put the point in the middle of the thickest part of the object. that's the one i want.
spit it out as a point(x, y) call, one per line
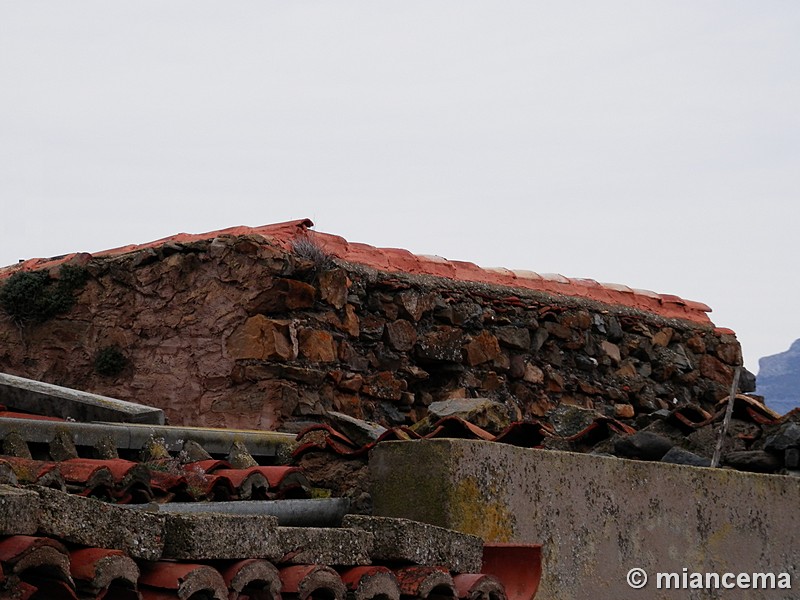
point(394, 260)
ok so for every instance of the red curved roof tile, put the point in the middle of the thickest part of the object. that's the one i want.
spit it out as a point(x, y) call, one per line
point(185, 578)
point(259, 573)
point(398, 260)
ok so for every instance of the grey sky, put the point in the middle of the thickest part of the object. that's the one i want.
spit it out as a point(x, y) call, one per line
point(655, 144)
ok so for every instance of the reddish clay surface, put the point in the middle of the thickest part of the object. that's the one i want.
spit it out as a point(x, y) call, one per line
point(397, 260)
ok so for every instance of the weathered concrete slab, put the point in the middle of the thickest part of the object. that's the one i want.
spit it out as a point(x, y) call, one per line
point(134, 436)
point(51, 400)
point(91, 522)
point(598, 517)
point(420, 543)
point(19, 511)
point(336, 546)
point(214, 536)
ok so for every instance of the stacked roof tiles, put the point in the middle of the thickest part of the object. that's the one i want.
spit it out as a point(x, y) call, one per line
point(185, 524)
point(758, 439)
point(398, 260)
point(539, 433)
point(57, 545)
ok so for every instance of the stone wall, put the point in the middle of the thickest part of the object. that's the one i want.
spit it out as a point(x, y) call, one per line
point(243, 331)
point(598, 517)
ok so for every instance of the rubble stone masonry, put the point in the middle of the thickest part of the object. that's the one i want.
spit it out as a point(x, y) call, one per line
point(242, 331)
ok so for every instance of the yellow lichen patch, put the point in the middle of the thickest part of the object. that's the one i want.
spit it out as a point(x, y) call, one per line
point(473, 512)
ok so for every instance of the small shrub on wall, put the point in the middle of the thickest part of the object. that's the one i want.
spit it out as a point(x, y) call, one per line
point(110, 361)
point(35, 296)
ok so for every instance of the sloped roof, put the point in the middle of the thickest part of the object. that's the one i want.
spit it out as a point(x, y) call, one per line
point(394, 260)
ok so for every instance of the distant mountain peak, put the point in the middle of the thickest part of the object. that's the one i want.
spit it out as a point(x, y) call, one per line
point(779, 379)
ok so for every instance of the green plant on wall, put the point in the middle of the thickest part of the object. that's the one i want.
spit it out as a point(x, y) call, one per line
point(110, 361)
point(35, 296)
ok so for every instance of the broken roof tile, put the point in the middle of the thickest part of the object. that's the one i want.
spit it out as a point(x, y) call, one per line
point(517, 566)
point(186, 579)
point(425, 582)
point(471, 586)
point(456, 427)
point(312, 581)
point(36, 471)
point(256, 578)
point(97, 569)
point(372, 582)
point(525, 434)
point(19, 553)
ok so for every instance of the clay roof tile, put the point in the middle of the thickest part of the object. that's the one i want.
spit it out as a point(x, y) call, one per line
point(398, 260)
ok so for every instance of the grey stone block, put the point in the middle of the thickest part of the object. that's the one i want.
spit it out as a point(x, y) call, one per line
point(420, 544)
point(213, 536)
point(19, 511)
point(324, 545)
point(791, 458)
point(594, 514)
point(788, 436)
point(90, 522)
point(679, 456)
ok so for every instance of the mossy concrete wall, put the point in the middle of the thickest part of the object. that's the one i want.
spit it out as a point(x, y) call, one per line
point(598, 517)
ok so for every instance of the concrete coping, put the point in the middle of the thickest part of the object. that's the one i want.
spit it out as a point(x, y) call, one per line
point(134, 436)
point(42, 398)
point(418, 543)
point(189, 536)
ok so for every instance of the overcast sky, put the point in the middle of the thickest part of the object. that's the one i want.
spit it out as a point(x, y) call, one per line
point(655, 144)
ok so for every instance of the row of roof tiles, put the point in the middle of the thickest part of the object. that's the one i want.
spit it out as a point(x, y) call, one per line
point(523, 434)
point(211, 563)
point(41, 567)
point(55, 545)
point(403, 261)
point(529, 434)
point(165, 479)
point(124, 481)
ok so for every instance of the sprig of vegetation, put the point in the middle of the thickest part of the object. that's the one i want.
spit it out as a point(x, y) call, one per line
point(307, 249)
point(110, 361)
point(35, 296)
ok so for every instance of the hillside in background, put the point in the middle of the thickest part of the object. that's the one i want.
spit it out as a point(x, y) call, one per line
point(779, 379)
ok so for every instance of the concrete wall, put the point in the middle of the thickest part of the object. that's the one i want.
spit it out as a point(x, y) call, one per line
point(598, 517)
